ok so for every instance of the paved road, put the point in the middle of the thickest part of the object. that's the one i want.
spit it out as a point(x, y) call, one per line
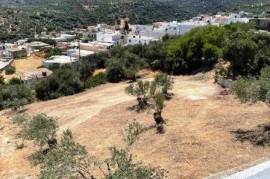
point(260, 171)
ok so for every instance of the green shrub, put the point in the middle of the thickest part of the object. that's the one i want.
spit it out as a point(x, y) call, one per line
point(241, 53)
point(21, 119)
point(63, 82)
point(196, 50)
point(143, 91)
point(124, 65)
point(132, 132)
point(124, 167)
point(10, 70)
point(264, 82)
point(255, 92)
point(15, 96)
point(68, 159)
point(98, 59)
point(115, 70)
point(41, 128)
point(254, 89)
point(98, 79)
point(165, 82)
point(52, 52)
point(15, 81)
point(2, 80)
point(241, 89)
point(65, 158)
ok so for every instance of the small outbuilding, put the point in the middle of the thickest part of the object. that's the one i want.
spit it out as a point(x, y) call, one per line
point(59, 60)
point(31, 76)
point(17, 53)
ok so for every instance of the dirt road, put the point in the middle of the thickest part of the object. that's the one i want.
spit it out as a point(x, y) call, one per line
point(74, 110)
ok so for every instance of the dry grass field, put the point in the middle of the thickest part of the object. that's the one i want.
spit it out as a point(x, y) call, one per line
point(197, 142)
point(25, 64)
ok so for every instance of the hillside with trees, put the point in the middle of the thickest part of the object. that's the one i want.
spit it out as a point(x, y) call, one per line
point(180, 117)
point(197, 51)
point(28, 16)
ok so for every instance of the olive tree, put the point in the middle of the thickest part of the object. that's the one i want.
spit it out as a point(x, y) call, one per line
point(15, 96)
point(41, 129)
point(121, 164)
point(143, 90)
point(133, 131)
point(159, 106)
point(165, 82)
point(152, 94)
point(68, 159)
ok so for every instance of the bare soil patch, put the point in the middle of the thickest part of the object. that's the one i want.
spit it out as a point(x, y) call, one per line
point(25, 64)
point(29, 63)
point(197, 140)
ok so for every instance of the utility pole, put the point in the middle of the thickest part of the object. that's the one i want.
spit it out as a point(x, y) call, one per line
point(79, 43)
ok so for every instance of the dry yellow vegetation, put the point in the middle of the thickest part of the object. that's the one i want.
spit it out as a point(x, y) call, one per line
point(25, 64)
point(197, 142)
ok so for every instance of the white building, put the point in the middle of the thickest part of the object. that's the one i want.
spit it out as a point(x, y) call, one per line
point(234, 18)
point(115, 38)
point(158, 30)
point(102, 27)
point(157, 34)
point(22, 41)
point(38, 74)
point(64, 38)
point(36, 46)
point(59, 60)
point(136, 29)
point(96, 46)
point(5, 63)
point(174, 28)
point(187, 26)
point(137, 39)
point(76, 53)
point(170, 28)
point(221, 19)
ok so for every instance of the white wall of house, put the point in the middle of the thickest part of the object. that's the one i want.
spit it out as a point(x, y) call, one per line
point(234, 18)
point(109, 37)
point(187, 26)
point(157, 34)
point(137, 39)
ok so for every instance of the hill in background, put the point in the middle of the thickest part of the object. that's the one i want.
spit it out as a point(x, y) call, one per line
point(28, 16)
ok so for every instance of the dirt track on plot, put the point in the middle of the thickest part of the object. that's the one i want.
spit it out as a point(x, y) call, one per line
point(198, 139)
